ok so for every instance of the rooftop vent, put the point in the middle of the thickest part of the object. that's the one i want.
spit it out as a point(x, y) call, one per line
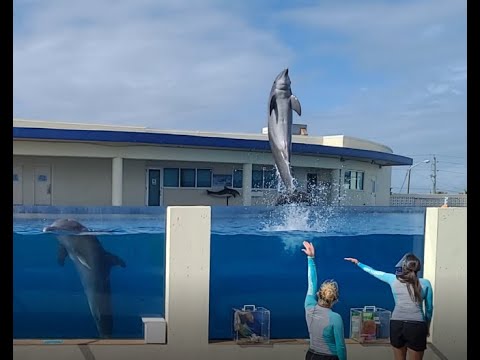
point(297, 129)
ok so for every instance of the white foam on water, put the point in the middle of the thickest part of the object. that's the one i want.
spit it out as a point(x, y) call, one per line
point(294, 222)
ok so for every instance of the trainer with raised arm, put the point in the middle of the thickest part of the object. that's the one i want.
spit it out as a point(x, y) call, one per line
point(410, 322)
point(327, 341)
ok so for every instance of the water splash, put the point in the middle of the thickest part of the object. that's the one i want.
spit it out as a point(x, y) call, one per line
point(314, 216)
point(296, 222)
point(296, 217)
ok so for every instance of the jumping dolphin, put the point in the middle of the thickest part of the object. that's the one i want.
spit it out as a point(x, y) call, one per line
point(93, 265)
point(226, 191)
point(280, 105)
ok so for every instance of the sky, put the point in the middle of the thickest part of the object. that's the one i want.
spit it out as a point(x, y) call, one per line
point(392, 72)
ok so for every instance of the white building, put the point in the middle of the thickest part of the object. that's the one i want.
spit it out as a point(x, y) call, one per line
point(67, 164)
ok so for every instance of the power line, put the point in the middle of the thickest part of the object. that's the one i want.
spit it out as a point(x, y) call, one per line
point(454, 163)
point(454, 172)
point(452, 156)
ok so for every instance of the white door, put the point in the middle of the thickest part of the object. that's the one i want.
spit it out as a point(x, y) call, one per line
point(374, 191)
point(43, 185)
point(154, 189)
point(17, 185)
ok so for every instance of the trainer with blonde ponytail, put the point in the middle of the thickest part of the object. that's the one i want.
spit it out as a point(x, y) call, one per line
point(325, 326)
point(410, 321)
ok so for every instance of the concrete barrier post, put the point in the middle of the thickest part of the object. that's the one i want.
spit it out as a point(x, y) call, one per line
point(445, 265)
point(187, 277)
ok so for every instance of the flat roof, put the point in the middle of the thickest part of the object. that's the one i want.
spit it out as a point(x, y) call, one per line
point(301, 145)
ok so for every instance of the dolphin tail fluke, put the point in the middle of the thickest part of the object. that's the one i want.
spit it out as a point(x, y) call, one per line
point(114, 260)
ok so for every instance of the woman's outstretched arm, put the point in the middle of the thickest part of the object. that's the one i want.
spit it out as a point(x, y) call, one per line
point(380, 275)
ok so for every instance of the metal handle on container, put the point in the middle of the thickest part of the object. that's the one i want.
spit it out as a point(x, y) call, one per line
point(249, 307)
point(370, 308)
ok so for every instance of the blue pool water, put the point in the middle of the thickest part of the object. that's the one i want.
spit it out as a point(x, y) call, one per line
point(255, 259)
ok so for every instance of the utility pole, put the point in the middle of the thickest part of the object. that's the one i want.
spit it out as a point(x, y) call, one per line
point(434, 174)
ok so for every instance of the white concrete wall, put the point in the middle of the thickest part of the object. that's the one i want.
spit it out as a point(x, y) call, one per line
point(180, 196)
point(382, 178)
point(149, 152)
point(187, 299)
point(187, 278)
point(92, 351)
point(77, 182)
point(445, 265)
point(134, 182)
point(196, 196)
point(354, 143)
point(428, 200)
point(86, 165)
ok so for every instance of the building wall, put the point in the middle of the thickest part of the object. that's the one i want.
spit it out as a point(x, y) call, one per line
point(87, 168)
point(78, 181)
point(354, 143)
point(376, 185)
point(332, 140)
point(134, 182)
point(455, 200)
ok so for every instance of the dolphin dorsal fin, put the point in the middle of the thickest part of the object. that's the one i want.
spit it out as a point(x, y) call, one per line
point(114, 260)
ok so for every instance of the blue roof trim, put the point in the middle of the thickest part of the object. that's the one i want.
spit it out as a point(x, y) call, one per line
point(203, 141)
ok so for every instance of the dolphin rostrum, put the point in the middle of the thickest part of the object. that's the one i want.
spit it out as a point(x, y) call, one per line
point(93, 264)
point(225, 192)
point(280, 105)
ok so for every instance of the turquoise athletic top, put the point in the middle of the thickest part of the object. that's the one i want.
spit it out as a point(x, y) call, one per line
point(405, 307)
point(324, 326)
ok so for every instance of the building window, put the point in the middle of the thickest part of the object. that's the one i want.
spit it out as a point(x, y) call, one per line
point(204, 177)
point(269, 179)
point(238, 178)
point(353, 180)
point(170, 177)
point(187, 177)
point(222, 180)
point(257, 179)
point(175, 177)
point(264, 179)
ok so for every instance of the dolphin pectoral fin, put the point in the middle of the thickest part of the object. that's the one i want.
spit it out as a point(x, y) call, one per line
point(114, 260)
point(273, 104)
point(295, 103)
point(83, 262)
point(61, 255)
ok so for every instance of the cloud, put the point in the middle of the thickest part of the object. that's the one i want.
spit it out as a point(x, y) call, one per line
point(411, 55)
point(156, 63)
point(387, 71)
point(388, 33)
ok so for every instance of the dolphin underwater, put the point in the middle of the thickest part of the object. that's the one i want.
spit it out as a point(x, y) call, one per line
point(225, 192)
point(281, 102)
point(93, 264)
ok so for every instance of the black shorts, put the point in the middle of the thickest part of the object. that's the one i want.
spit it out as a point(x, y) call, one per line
point(316, 356)
point(412, 334)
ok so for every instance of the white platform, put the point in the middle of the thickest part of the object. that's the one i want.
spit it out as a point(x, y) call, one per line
point(155, 329)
